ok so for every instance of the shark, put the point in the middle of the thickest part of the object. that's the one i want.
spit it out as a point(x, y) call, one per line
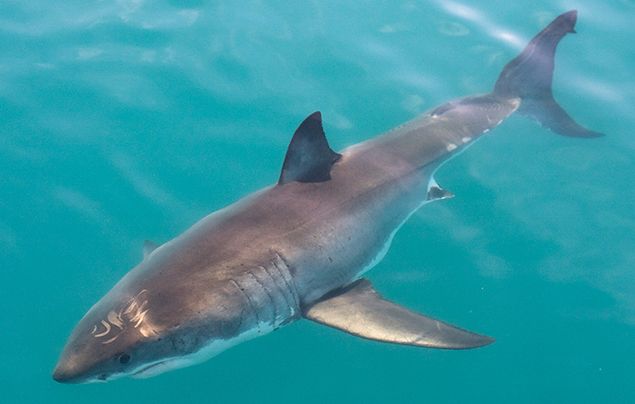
point(300, 248)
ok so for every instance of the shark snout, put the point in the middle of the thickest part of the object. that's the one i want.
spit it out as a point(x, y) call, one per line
point(68, 370)
point(63, 374)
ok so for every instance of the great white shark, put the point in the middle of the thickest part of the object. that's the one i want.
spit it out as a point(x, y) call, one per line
point(300, 248)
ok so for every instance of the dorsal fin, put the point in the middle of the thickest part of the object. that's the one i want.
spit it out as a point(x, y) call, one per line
point(309, 157)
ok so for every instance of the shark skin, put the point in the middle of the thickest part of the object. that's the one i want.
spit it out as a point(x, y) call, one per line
point(299, 248)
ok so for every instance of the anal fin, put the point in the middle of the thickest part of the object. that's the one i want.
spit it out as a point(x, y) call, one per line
point(359, 310)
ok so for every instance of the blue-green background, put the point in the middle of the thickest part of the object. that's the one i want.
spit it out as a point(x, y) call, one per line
point(131, 119)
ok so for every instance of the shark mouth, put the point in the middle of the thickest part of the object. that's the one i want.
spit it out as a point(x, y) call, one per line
point(161, 366)
point(150, 370)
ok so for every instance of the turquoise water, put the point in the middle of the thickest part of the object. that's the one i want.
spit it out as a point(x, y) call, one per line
point(129, 120)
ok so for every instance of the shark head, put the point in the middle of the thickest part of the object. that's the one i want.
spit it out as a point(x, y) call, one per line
point(115, 338)
point(139, 332)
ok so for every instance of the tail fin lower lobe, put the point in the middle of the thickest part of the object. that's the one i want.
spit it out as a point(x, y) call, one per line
point(530, 74)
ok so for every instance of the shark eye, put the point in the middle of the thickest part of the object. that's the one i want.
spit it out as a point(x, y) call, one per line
point(124, 358)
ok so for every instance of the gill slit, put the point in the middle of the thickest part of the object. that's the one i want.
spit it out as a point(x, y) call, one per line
point(290, 287)
point(278, 287)
point(268, 293)
point(249, 301)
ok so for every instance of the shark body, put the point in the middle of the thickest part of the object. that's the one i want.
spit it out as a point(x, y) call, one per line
point(299, 248)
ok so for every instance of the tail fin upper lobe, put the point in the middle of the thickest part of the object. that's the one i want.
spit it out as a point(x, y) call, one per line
point(530, 74)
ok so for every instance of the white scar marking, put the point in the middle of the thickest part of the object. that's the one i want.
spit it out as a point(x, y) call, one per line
point(115, 320)
point(106, 331)
point(132, 313)
point(466, 139)
point(131, 307)
point(145, 332)
point(140, 317)
point(108, 341)
point(451, 146)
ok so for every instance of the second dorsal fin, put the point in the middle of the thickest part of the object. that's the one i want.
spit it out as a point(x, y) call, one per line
point(309, 157)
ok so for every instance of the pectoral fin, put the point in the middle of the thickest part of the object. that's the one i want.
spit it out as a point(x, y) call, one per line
point(359, 310)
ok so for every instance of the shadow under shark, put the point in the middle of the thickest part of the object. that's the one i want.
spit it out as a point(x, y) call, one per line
point(298, 249)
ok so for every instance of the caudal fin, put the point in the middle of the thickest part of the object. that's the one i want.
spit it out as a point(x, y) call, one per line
point(530, 74)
